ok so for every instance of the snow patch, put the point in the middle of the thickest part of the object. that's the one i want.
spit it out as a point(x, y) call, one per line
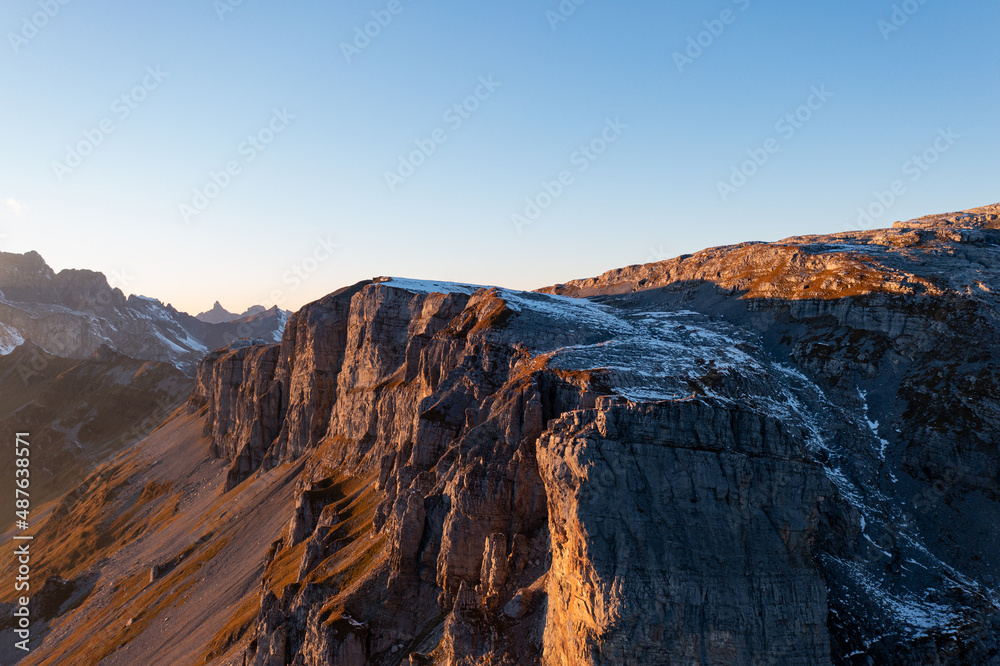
point(580, 311)
point(577, 310)
point(171, 346)
point(872, 425)
point(430, 286)
point(10, 339)
point(193, 344)
point(279, 332)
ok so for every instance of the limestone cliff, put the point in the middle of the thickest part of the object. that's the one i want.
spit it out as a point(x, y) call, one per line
point(766, 453)
point(703, 510)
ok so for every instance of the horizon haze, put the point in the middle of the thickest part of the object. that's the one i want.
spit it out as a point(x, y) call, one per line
point(221, 151)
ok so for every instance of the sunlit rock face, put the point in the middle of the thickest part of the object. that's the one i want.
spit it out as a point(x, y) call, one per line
point(706, 460)
point(766, 453)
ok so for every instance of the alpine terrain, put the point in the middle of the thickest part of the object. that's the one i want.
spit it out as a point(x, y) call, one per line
point(72, 313)
point(767, 453)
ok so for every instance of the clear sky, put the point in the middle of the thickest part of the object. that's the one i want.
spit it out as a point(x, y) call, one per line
point(115, 113)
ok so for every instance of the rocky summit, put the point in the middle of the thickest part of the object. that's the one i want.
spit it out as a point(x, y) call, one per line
point(767, 453)
point(220, 315)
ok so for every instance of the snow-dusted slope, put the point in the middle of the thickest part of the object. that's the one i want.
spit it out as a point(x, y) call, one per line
point(9, 339)
point(890, 582)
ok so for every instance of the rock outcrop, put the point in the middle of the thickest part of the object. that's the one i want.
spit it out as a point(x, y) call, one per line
point(678, 536)
point(717, 505)
point(766, 453)
point(236, 386)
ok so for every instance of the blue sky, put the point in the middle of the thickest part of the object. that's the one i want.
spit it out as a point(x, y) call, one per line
point(208, 85)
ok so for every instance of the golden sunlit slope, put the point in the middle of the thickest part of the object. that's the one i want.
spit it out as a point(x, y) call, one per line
point(157, 504)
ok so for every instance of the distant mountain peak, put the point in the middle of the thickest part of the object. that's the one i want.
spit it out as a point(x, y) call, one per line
point(217, 315)
point(75, 313)
point(220, 315)
point(21, 270)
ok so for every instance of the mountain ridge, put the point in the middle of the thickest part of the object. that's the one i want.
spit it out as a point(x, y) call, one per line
point(713, 459)
point(219, 314)
point(73, 312)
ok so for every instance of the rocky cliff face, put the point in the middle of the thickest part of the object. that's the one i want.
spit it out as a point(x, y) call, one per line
point(74, 312)
point(678, 536)
point(897, 330)
point(767, 453)
point(715, 505)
